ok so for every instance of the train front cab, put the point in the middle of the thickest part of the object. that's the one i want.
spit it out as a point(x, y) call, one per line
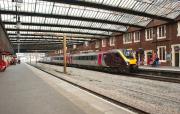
point(113, 61)
point(130, 60)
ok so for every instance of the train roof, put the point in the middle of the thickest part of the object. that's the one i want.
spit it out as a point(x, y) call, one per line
point(85, 54)
point(92, 53)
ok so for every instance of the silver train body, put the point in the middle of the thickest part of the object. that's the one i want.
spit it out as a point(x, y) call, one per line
point(119, 60)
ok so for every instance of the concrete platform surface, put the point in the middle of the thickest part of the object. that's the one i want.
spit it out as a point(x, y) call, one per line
point(22, 92)
point(27, 90)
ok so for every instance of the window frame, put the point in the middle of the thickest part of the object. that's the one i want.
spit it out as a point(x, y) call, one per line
point(129, 34)
point(103, 42)
point(86, 43)
point(112, 41)
point(74, 46)
point(139, 35)
point(147, 36)
point(158, 32)
point(178, 28)
point(158, 48)
point(96, 44)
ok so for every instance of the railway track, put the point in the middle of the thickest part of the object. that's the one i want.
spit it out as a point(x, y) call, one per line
point(154, 77)
point(134, 109)
point(175, 78)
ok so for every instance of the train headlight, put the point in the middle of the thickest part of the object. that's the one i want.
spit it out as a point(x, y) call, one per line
point(127, 63)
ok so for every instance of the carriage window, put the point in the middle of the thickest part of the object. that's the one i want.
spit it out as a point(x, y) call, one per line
point(91, 57)
point(128, 54)
point(95, 57)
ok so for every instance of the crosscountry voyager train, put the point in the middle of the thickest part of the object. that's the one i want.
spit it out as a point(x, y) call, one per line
point(117, 60)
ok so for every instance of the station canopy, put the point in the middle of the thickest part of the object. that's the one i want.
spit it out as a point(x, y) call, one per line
point(41, 24)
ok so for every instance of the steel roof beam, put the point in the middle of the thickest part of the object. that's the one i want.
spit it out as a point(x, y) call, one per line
point(53, 36)
point(32, 43)
point(56, 31)
point(66, 26)
point(44, 40)
point(68, 17)
point(36, 38)
point(110, 8)
point(43, 47)
point(35, 42)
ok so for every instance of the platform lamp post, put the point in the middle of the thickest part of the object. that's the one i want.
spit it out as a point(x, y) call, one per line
point(36, 56)
point(64, 53)
point(18, 23)
point(30, 58)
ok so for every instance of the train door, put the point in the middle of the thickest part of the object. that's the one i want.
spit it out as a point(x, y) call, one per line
point(99, 59)
point(176, 59)
point(176, 55)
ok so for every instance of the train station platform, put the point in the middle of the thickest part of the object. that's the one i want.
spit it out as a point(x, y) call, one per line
point(163, 69)
point(22, 92)
point(27, 90)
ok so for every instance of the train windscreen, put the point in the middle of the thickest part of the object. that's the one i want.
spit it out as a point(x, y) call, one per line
point(128, 53)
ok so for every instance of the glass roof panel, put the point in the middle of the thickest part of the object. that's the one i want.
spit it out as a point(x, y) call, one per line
point(75, 22)
point(60, 9)
point(72, 10)
point(75, 12)
point(44, 7)
point(86, 23)
point(102, 15)
point(25, 18)
point(51, 21)
point(11, 32)
point(148, 6)
point(10, 26)
point(96, 25)
point(6, 5)
point(10, 18)
point(29, 5)
point(56, 29)
point(166, 8)
point(64, 21)
point(37, 19)
point(23, 32)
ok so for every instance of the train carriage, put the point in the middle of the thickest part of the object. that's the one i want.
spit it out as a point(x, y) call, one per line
point(117, 60)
